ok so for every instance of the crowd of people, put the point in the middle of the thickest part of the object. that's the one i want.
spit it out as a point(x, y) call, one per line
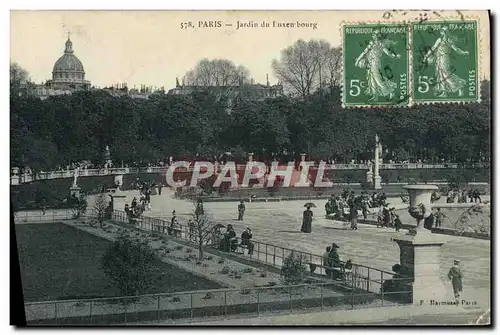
point(345, 207)
point(463, 196)
point(229, 242)
point(334, 267)
point(137, 207)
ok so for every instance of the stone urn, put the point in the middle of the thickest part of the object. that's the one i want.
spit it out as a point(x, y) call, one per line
point(420, 204)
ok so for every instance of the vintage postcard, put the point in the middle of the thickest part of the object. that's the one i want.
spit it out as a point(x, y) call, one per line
point(250, 167)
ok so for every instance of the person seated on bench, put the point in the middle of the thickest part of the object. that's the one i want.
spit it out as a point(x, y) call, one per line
point(334, 262)
point(348, 265)
point(229, 242)
point(127, 209)
point(173, 226)
point(246, 236)
point(326, 261)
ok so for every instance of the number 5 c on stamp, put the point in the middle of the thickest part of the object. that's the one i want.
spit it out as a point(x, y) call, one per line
point(445, 64)
point(376, 64)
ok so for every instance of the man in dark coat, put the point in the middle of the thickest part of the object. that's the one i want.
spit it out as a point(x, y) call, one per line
point(455, 275)
point(246, 236)
point(229, 242)
point(159, 187)
point(241, 210)
point(328, 207)
point(477, 195)
point(147, 199)
point(307, 220)
point(386, 213)
point(470, 194)
point(199, 208)
point(353, 215)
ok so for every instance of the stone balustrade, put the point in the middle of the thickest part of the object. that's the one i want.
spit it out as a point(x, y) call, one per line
point(17, 178)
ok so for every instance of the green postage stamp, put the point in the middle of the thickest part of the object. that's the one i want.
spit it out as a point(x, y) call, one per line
point(445, 61)
point(376, 64)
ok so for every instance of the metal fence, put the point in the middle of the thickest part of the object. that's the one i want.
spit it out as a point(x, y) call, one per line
point(206, 303)
point(361, 277)
point(329, 288)
point(50, 215)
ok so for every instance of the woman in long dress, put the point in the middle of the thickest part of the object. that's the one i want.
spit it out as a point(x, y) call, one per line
point(307, 221)
point(446, 80)
point(378, 84)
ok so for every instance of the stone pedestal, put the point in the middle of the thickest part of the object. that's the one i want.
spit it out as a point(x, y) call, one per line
point(369, 176)
point(420, 251)
point(421, 254)
point(75, 190)
point(119, 200)
point(377, 182)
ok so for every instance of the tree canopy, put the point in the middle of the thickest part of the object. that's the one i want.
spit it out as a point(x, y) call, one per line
point(62, 129)
point(217, 72)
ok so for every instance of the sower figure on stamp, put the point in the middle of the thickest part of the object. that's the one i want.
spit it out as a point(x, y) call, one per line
point(241, 210)
point(378, 85)
point(446, 80)
point(455, 275)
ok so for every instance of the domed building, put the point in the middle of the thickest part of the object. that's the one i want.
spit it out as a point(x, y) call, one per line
point(68, 72)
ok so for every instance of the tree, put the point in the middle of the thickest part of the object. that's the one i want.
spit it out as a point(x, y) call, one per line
point(60, 130)
point(306, 66)
point(78, 205)
point(18, 76)
point(202, 227)
point(293, 269)
point(217, 72)
point(130, 265)
point(100, 208)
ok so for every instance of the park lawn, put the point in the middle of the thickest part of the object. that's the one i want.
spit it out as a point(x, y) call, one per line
point(61, 262)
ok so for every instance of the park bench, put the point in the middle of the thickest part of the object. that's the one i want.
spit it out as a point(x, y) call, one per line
point(245, 247)
point(342, 274)
point(174, 231)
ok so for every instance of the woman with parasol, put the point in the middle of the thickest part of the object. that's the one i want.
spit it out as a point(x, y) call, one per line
point(307, 218)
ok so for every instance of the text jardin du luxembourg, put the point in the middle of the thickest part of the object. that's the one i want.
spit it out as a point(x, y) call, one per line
point(275, 24)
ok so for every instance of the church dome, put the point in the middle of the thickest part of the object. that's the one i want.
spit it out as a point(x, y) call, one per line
point(68, 71)
point(68, 62)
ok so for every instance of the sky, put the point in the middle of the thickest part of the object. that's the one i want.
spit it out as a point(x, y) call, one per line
point(149, 47)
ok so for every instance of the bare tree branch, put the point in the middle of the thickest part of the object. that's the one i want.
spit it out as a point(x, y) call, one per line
point(306, 66)
point(217, 72)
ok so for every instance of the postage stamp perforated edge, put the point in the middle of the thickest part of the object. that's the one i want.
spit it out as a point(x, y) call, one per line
point(372, 22)
point(479, 57)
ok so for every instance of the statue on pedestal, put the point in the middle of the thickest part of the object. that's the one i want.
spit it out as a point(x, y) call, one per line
point(76, 173)
point(107, 158)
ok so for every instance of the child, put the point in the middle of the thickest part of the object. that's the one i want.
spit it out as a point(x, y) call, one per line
point(397, 222)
